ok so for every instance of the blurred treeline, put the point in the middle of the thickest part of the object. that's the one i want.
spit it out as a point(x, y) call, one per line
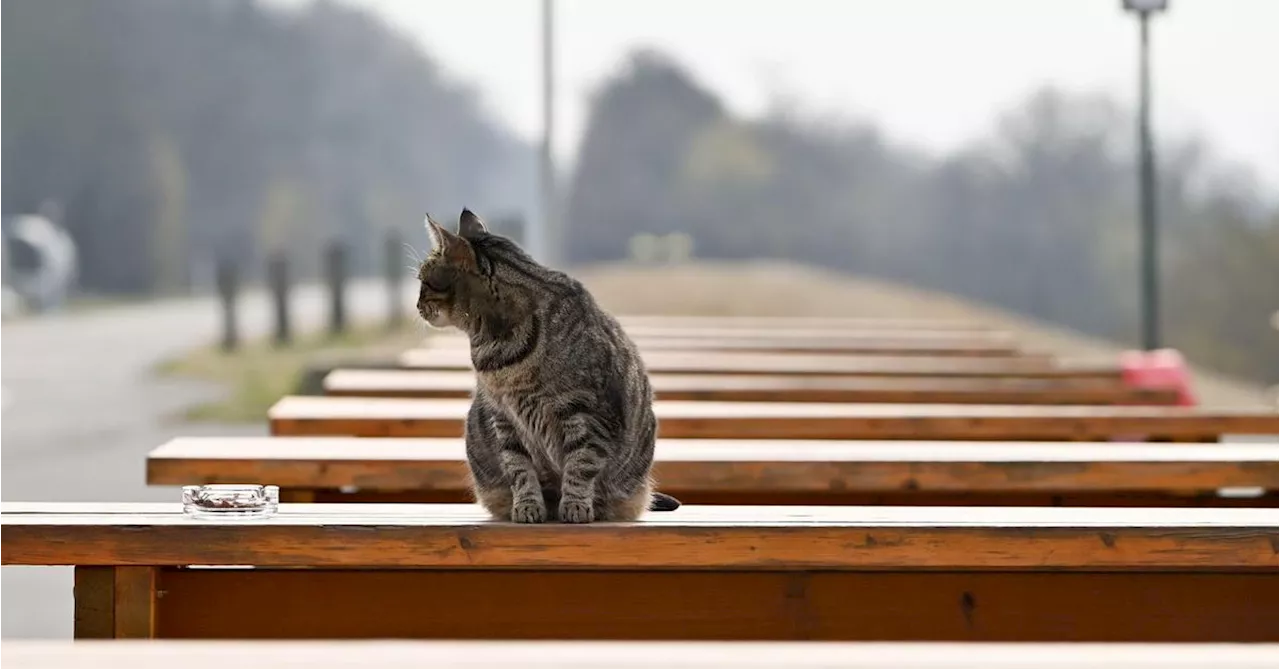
point(174, 132)
point(1038, 217)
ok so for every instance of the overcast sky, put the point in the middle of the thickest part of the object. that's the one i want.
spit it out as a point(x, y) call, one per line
point(933, 73)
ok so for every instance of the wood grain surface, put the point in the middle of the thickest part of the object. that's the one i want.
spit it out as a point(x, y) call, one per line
point(695, 537)
point(1153, 606)
point(888, 343)
point(393, 417)
point(453, 384)
point(33, 654)
point(830, 323)
point(802, 332)
point(761, 472)
point(727, 362)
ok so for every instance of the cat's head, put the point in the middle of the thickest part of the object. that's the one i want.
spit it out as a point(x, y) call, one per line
point(450, 276)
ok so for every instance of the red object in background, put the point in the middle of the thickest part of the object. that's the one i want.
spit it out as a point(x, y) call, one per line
point(1162, 369)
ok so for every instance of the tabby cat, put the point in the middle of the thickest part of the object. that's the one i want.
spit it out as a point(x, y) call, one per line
point(561, 425)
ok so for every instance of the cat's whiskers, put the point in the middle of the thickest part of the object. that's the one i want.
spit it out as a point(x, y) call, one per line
point(414, 254)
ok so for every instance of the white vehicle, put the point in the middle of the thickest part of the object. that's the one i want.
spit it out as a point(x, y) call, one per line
point(39, 263)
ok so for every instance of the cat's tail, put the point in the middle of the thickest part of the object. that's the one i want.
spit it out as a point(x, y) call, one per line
point(663, 502)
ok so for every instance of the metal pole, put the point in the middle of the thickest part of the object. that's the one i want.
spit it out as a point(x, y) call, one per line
point(542, 237)
point(4, 257)
point(228, 286)
point(336, 274)
point(278, 279)
point(393, 274)
point(1150, 295)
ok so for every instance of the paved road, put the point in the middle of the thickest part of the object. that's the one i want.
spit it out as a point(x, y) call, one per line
point(81, 409)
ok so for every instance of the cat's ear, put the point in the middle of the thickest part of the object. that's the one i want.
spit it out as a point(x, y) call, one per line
point(437, 233)
point(453, 248)
point(470, 225)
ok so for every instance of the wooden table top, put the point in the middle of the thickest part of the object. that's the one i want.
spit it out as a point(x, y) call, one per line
point(860, 344)
point(425, 383)
point(804, 332)
point(738, 538)
point(167, 654)
point(394, 417)
point(740, 465)
point(726, 362)
point(807, 322)
point(737, 450)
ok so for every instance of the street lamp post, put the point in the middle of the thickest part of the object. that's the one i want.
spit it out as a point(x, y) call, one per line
point(543, 238)
point(1149, 268)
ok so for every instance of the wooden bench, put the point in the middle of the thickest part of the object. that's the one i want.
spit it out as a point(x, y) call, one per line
point(745, 472)
point(812, 333)
point(846, 345)
point(827, 323)
point(721, 362)
point(392, 417)
point(121, 654)
point(699, 573)
point(438, 384)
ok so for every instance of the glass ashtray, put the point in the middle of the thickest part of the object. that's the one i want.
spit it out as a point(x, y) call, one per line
point(230, 501)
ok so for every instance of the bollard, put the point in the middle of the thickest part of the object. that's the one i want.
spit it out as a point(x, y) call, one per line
point(278, 278)
point(393, 258)
point(228, 286)
point(336, 275)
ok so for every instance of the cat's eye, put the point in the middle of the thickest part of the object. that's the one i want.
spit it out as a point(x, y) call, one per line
point(435, 286)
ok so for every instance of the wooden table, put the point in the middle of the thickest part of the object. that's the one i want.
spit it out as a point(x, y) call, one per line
point(808, 333)
point(721, 362)
point(892, 344)
point(353, 469)
point(771, 323)
point(390, 417)
point(123, 654)
point(440, 384)
point(699, 573)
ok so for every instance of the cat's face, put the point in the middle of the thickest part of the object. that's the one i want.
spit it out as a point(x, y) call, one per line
point(436, 302)
point(445, 278)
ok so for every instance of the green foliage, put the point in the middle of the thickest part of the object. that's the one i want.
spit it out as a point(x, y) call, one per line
point(260, 373)
point(641, 127)
point(174, 132)
point(1038, 217)
point(1221, 293)
point(676, 247)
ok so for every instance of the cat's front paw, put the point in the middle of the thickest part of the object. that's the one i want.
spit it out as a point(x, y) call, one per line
point(529, 511)
point(576, 511)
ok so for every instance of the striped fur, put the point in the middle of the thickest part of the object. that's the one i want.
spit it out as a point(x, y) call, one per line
point(561, 425)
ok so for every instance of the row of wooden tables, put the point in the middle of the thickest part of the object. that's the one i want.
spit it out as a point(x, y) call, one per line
point(627, 655)
point(854, 481)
